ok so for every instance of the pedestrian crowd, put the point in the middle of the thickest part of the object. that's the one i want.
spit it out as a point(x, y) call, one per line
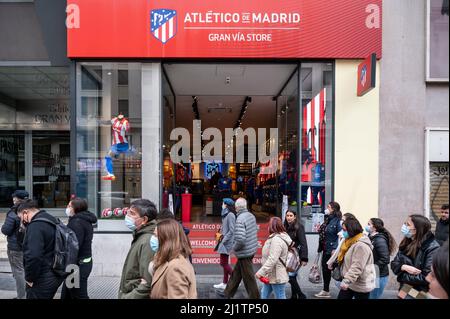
point(46, 254)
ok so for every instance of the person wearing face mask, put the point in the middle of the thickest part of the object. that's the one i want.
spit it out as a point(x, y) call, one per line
point(356, 262)
point(39, 251)
point(328, 242)
point(81, 221)
point(296, 232)
point(15, 233)
point(173, 274)
point(437, 279)
point(412, 264)
point(330, 262)
point(135, 282)
point(384, 246)
point(226, 243)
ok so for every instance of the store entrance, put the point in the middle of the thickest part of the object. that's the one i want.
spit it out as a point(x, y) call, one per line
point(218, 98)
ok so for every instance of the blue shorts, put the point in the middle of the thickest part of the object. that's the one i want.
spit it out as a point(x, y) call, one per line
point(119, 148)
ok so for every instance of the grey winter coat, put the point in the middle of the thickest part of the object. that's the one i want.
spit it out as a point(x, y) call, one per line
point(227, 230)
point(245, 235)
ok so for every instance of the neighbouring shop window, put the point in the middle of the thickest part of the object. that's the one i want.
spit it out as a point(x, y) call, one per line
point(438, 41)
point(34, 132)
point(12, 165)
point(51, 169)
point(109, 133)
point(439, 191)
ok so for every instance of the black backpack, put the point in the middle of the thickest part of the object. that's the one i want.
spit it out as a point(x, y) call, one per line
point(66, 247)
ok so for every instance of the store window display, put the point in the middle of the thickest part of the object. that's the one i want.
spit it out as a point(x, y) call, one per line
point(120, 127)
point(109, 136)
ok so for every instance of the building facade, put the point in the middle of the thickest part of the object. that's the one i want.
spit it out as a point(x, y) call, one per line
point(68, 69)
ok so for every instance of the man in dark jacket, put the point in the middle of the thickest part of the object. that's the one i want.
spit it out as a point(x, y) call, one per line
point(38, 251)
point(15, 232)
point(442, 226)
point(244, 247)
point(136, 279)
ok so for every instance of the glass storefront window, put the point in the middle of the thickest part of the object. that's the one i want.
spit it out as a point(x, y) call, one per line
point(287, 123)
point(109, 136)
point(316, 142)
point(34, 134)
point(51, 169)
point(12, 165)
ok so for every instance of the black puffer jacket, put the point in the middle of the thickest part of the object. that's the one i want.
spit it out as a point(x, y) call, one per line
point(299, 238)
point(381, 256)
point(423, 261)
point(11, 229)
point(81, 224)
point(441, 231)
point(39, 247)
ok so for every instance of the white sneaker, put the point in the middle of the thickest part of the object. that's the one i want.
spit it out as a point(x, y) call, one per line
point(221, 286)
point(323, 294)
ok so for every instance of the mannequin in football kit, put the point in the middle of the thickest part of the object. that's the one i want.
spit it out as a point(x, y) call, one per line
point(120, 127)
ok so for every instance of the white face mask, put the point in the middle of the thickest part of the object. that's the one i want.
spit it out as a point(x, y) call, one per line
point(327, 211)
point(224, 206)
point(69, 212)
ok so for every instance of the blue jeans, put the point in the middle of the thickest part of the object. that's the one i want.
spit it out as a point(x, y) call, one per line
point(378, 292)
point(278, 289)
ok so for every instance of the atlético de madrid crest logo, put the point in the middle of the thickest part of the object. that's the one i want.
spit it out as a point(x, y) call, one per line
point(363, 78)
point(163, 24)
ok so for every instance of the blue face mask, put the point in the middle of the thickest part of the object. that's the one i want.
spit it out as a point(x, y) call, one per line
point(130, 223)
point(345, 234)
point(368, 229)
point(406, 231)
point(154, 243)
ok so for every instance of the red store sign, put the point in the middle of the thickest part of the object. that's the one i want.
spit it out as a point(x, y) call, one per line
point(367, 74)
point(223, 29)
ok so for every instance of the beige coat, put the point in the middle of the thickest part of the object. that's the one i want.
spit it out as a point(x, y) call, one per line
point(358, 267)
point(274, 249)
point(174, 280)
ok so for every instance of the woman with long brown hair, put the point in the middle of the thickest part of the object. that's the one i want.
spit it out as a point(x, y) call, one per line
point(328, 243)
point(274, 255)
point(412, 264)
point(384, 247)
point(173, 276)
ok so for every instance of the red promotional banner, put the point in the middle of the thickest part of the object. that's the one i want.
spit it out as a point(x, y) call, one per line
point(223, 29)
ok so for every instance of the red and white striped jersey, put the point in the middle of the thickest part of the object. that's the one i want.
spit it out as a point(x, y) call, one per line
point(120, 128)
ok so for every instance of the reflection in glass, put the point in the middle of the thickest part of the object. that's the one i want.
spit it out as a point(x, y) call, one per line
point(51, 169)
point(109, 129)
point(12, 165)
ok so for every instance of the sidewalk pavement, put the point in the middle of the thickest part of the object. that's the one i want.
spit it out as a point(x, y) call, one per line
point(107, 287)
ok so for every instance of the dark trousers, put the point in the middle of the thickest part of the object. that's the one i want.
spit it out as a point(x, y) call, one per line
point(296, 291)
point(326, 273)
point(45, 287)
point(350, 294)
point(226, 267)
point(82, 292)
point(243, 271)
